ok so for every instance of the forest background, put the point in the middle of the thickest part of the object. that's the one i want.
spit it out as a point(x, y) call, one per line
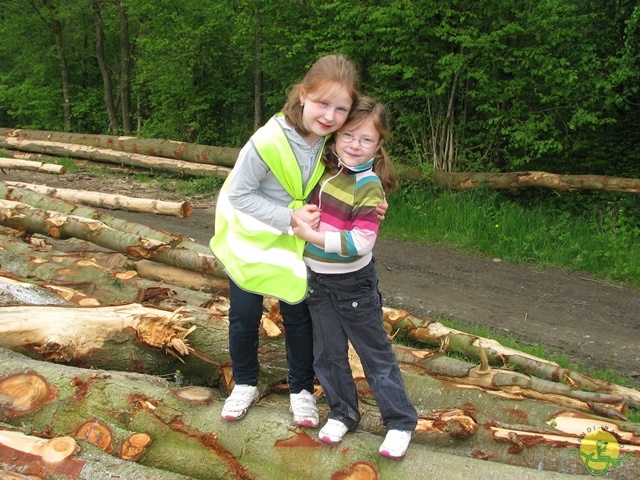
point(483, 85)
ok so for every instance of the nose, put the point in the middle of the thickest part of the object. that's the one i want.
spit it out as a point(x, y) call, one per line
point(330, 113)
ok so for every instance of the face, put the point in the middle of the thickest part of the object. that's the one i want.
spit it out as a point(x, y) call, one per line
point(326, 114)
point(354, 154)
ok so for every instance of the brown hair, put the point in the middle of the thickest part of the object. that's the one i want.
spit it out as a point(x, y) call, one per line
point(366, 108)
point(323, 78)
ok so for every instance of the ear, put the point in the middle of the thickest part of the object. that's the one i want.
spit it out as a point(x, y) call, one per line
point(303, 97)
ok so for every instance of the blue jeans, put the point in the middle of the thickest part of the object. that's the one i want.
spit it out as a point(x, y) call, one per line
point(245, 313)
point(348, 307)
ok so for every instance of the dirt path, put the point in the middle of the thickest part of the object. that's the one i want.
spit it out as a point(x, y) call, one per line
point(593, 322)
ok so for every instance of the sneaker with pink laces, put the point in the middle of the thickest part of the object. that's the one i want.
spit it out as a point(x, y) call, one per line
point(333, 432)
point(304, 410)
point(395, 444)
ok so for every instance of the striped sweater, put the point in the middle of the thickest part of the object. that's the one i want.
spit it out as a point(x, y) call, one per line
point(348, 202)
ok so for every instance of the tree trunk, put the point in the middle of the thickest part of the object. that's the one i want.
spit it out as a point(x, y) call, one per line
point(189, 438)
point(57, 225)
point(40, 457)
point(14, 164)
point(126, 337)
point(478, 348)
point(50, 332)
point(125, 67)
point(49, 203)
point(109, 201)
point(102, 277)
point(56, 27)
point(52, 159)
point(189, 152)
point(104, 70)
point(517, 180)
point(111, 156)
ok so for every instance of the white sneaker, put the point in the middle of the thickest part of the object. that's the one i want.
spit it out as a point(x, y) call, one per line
point(304, 410)
point(241, 398)
point(333, 432)
point(395, 444)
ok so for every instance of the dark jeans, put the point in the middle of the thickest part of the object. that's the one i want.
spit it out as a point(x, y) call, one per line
point(245, 313)
point(348, 307)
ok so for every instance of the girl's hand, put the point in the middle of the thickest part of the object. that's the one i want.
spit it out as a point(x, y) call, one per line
point(300, 228)
point(382, 208)
point(305, 231)
point(309, 214)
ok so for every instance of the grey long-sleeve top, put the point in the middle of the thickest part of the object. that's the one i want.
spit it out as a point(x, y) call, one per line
point(255, 191)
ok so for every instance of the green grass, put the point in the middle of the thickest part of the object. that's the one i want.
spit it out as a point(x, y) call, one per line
point(600, 240)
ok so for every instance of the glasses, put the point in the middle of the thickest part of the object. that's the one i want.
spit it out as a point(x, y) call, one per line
point(365, 142)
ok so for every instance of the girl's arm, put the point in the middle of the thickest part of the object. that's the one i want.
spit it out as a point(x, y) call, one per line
point(255, 191)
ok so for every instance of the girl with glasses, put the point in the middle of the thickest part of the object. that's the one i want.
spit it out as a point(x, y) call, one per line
point(343, 295)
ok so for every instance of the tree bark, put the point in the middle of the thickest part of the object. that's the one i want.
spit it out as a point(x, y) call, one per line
point(109, 201)
point(16, 164)
point(81, 163)
point(471, 346)
point(87, 462)
point(161, 330)
point(125, 67)
point(56, 28)
point(104, 70)
point(84, 275)
point(162, 164)
point(517, 180)
point(46, 202)
point(57, 225)
point(189, 438)
point(189, 152)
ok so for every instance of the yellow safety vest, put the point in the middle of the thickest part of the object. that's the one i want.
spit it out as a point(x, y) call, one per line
point(256, 256)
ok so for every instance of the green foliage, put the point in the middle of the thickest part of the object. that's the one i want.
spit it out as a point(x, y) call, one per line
point(471, 85)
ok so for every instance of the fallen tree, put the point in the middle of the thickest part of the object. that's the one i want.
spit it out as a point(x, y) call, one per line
point(12, 163)
point(59, 225)
point(109, 201)
point(189, 152)
point(156, 164)
point(189, 438)
point(518, 180)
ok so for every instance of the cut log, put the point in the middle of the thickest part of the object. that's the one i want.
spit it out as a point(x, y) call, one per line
point(31, 327)
point(79, 162)
point(436, 334)
point(46, 202)
point(57, 225)
point(159, 164)
point(54, 450)
point(190, 152)
point(100, 279)
point(191, 439)
point(15, 164)
point(517, 180)
point(88, 462)
point(109, 336)
point(110, 201)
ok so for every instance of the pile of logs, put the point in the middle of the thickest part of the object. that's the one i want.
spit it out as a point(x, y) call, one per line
point(21, 147)
point(114, 362)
